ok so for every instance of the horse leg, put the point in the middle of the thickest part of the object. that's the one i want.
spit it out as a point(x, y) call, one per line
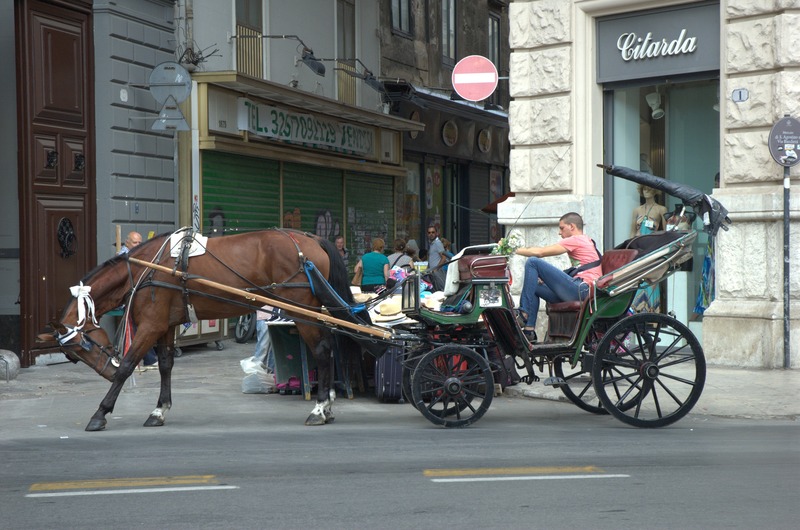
point(166, 359)
point(322, 413)
point(129, 363)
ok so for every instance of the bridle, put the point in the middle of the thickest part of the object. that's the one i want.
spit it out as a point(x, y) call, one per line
point(86, 343)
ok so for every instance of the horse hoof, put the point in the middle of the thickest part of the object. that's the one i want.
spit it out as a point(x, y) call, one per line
point(96, 425)
point(315, 419)
point(154, 421)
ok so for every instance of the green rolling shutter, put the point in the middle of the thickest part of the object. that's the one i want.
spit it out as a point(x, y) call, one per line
point(245, 190)
point(312, 199)
point(370, 212)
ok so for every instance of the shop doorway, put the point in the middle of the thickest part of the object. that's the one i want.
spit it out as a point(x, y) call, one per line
point(670, 130)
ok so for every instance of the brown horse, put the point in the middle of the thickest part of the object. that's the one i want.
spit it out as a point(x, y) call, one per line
point(284, 265)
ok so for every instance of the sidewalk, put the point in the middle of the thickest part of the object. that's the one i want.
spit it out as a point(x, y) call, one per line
point(729, 392)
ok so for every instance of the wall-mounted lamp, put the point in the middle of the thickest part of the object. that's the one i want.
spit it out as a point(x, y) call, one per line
point(654, 101)
point(366, 75)
point(306, 53)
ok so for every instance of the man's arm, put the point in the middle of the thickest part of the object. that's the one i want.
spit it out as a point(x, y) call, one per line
point(541, 252)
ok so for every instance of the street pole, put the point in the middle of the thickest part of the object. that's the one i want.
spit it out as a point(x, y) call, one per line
point(787, 362)
point(784, 146)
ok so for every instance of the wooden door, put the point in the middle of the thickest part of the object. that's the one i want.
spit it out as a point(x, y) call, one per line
point(55, 97)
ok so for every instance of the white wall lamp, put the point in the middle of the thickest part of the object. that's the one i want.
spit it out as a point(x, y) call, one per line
point(654, 101)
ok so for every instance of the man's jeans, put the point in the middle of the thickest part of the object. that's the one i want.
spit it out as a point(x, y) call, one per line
point(264, 350)
point(556, 286)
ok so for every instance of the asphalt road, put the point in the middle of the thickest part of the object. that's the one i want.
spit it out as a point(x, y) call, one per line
point(231, 460)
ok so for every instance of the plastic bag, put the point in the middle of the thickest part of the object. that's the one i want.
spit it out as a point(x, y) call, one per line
point(257, 380)
point(258, 383)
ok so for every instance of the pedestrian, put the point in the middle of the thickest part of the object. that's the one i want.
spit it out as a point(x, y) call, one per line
point(399, 258)
point(435, 248)
point(412, 250)
point(544, 280)
point(447, 255)
point(133, 240)
point(264, 352)
point(343, 252)
point(374, 266)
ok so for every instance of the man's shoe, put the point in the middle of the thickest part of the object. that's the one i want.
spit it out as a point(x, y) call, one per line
point(530, 334)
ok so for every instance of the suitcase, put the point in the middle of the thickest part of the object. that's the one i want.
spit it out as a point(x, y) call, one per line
point(389, 375)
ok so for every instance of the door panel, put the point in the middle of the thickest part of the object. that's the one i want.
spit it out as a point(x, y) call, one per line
point(59, 45)
point(63, 262)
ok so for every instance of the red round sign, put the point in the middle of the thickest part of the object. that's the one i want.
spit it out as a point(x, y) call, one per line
point(474, 78)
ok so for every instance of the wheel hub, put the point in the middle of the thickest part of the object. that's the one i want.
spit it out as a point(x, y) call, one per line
point(452, 386)
point(649, 370)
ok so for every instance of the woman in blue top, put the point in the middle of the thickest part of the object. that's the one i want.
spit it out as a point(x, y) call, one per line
point(375, 267)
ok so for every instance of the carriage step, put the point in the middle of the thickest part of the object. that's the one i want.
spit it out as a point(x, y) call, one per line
point(555, 382)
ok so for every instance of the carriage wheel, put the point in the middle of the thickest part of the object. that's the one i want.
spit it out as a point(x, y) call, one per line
point(649, 370)
point(452, 386)
point(580, 387)
point(245, 328)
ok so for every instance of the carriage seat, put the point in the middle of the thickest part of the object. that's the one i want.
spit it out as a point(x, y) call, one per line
point(611, 261)
point(562, 316)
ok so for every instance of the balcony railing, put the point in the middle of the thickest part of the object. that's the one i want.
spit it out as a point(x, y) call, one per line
point(249, 52)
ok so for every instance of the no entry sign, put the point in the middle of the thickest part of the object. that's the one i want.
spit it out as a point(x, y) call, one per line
point(474, 78)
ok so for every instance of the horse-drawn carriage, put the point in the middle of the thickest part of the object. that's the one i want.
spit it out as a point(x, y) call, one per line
point(646, 369)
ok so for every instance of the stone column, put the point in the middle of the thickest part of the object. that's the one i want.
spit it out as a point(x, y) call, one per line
point(744, 324)
point(542, 118)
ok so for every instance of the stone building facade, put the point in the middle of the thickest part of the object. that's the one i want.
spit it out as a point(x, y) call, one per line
point(562, 122)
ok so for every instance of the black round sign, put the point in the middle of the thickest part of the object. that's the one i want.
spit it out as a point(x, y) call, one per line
point(784, 141)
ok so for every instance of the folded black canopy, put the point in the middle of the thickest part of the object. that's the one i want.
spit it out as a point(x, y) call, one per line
point(711, 211)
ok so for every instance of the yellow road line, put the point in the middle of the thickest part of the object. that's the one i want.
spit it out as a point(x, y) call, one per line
point(123, 483)
point(482, 471)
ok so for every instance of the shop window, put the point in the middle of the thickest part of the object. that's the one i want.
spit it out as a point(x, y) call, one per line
point(670, 130)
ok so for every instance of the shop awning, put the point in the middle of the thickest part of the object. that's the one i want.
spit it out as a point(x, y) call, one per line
point(492, 206)
point(306, 101)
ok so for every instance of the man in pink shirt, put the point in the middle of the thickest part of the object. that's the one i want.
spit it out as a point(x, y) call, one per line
point(544, 280)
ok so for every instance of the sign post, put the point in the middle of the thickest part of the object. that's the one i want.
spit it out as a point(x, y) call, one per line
point(474, 78)
point(784, 146)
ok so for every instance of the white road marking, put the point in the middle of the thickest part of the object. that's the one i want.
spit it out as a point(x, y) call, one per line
point(538, 477)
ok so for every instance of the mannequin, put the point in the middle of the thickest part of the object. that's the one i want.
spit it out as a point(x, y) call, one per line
point(649, 217)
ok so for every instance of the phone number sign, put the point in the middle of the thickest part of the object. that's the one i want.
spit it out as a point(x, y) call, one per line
point(304, 129)
point(784, 141)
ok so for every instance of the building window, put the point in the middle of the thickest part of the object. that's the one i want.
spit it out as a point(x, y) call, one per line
point(401, 19)
point(346, 30)
point(248, 14)
point(493, 50)
point(493, 53)
point(449, 32)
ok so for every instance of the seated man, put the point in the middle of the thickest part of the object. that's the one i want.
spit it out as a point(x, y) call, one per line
point(543, 280)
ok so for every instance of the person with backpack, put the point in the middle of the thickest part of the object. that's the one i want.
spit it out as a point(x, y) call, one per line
point(544, 280)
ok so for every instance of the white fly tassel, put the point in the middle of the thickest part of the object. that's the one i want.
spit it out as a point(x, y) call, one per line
point(85, 303)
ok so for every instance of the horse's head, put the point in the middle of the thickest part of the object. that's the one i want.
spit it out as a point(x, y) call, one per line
point(89, 344)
